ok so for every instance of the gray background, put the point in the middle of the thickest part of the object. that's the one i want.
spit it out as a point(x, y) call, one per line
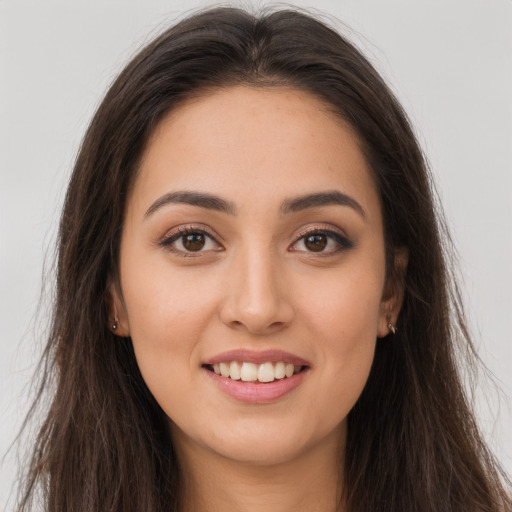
point(449, 61)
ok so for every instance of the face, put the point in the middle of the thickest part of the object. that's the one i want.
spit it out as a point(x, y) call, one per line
point(252, 273)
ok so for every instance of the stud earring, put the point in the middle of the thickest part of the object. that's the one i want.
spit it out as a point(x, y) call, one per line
point(392, 328)
point(115, 324)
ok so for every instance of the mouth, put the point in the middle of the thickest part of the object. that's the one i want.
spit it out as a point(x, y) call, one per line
point(246, 371)
point(257, 377)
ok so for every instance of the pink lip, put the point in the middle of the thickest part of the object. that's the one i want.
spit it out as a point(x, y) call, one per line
point(256, 357)
point(256, 392)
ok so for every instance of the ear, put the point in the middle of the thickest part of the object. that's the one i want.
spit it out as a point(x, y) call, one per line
point(393, 295)
point(116, 310)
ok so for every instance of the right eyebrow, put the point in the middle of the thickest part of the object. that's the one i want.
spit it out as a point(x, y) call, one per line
point(201, 199)
point(319, 199)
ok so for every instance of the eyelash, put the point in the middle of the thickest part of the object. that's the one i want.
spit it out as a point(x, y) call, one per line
point(343, 243)
point(181, 232)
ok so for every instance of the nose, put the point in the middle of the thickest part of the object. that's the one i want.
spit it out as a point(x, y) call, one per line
point(255, 296)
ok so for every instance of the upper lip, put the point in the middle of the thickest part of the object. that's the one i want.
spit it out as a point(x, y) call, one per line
point(257, 357)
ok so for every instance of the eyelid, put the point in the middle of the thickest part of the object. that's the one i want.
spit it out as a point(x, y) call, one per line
point(175, 233)
point(327, 229)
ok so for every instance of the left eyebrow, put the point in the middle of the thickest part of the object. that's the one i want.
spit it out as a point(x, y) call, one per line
point(331, 197)
point(201, 199)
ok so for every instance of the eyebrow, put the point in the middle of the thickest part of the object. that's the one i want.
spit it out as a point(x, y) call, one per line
point(212, 202)
point(201, 199)
point(321, 199)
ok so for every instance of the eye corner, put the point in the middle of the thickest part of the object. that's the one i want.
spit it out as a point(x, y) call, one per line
point(201, 241)
point(335, 241)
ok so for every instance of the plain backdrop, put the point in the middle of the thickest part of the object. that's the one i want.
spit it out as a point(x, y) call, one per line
point(449, 61)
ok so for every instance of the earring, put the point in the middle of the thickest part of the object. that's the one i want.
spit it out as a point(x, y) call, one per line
point(392, 328)
point(115, 324)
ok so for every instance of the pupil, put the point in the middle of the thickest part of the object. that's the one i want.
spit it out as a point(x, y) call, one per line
point(193, 242)
point(316, 243)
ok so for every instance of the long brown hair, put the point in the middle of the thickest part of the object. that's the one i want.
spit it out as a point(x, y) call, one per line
point(413, 444)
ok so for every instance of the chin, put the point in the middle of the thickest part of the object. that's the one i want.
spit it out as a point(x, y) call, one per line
point(262, 452)
point(268, 443)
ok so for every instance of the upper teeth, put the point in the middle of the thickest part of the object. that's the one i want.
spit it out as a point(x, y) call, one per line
point(250, 372)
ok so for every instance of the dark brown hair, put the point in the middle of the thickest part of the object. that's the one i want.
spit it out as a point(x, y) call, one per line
point(413, 444)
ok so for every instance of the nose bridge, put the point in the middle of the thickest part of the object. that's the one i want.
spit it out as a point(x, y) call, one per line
point(256, 298)
point(258, 273)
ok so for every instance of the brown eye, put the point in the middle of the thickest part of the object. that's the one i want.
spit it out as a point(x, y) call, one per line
point(316, 243)
point(324, 242)
point(194, 241)
point(190, 241)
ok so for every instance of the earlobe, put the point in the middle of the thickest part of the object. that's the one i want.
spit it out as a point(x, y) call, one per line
point(393, 296)
point(117, 317)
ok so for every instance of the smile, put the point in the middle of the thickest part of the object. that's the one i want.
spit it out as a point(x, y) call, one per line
point(252, 372)
point(256, 377)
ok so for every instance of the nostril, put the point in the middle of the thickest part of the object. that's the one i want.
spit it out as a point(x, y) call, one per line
point(256, 316)
point(236, 324)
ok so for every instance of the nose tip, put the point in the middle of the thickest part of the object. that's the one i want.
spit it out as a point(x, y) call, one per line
point(254, 322)
point(256, 301)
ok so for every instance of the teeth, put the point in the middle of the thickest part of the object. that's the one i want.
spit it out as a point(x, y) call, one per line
point(224, 369)
point(279, 371)
point(234, 371)
point(266, 372)
point(250, 372)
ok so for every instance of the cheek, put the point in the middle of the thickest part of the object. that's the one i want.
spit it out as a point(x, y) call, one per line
point(342, 315)
point(345, 304)
point(164, 303)
point(167, 314)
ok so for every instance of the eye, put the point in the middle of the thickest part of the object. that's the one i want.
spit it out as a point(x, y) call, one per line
point(321, 241)
point(189, 240)
point(316, 243)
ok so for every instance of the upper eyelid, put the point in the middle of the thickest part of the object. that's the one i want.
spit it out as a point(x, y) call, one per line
point(190, 228)
point(320, 228)
point(184, 229)
point(334, 232)
point(168, 241)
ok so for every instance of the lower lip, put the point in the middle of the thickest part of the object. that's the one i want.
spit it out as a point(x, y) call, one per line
point(257, 392)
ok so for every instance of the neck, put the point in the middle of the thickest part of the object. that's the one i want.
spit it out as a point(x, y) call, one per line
point(212, 483)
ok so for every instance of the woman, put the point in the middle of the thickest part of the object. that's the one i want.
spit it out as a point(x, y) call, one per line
point(253, 307)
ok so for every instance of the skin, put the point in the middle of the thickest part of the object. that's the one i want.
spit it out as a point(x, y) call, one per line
point(255, 285)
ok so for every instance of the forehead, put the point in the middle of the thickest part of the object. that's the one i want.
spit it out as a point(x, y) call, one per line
point(254, 143)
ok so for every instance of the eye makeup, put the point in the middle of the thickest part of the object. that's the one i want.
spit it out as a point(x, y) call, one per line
point(194, 240)
point(190, 241)
point(323, 240)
